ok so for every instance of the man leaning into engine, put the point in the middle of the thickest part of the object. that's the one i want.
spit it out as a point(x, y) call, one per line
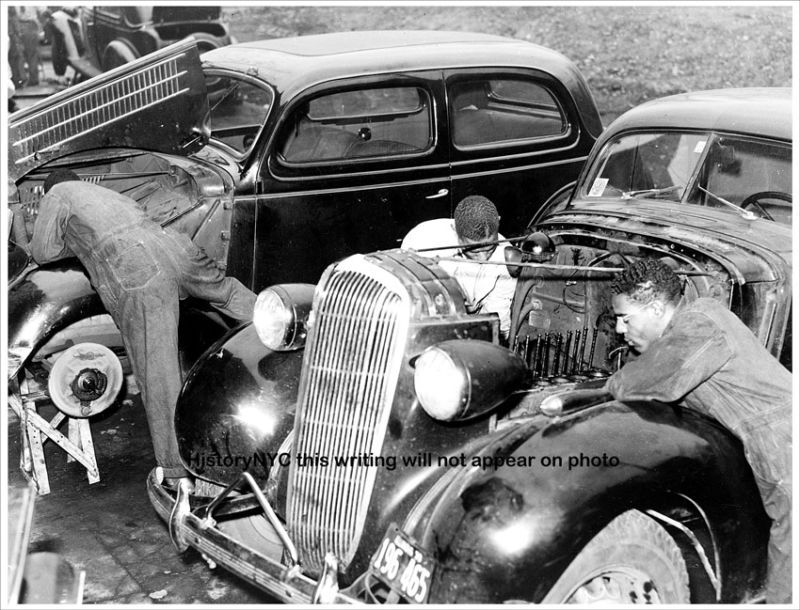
point(474, 229)
point(141, 271)
point(701, 354)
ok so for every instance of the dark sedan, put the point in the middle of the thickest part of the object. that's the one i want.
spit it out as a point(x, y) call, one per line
point(385, 447)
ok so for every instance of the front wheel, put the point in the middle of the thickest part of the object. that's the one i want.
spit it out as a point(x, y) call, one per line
point(632, 561)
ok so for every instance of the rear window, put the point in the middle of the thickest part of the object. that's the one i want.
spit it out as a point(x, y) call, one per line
point(360, 123)
point(491, 111)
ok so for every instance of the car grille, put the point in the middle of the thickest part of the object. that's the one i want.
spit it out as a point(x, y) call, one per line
point(350, 371)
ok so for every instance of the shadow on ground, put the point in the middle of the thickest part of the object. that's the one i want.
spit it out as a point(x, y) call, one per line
point(109, 529)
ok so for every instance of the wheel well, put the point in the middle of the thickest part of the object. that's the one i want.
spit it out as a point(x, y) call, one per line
point(686, 522)
point(117, 53)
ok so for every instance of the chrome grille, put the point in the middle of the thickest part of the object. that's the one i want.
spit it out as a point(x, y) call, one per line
point(350, 371)
point(95, 109)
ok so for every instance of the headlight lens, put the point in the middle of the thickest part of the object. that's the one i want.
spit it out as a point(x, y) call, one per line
point(441, 384)
point(460, 379)
point(273, 319)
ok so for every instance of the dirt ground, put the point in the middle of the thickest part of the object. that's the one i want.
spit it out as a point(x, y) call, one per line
point(108, 529)
point(629, 54)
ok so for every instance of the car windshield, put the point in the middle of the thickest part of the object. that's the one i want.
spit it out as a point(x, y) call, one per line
point(237, 110)
point(745, 175)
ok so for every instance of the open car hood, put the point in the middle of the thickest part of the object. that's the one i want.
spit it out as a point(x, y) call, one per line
point(156, 103)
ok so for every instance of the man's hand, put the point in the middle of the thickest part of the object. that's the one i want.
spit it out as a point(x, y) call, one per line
point(472, 306)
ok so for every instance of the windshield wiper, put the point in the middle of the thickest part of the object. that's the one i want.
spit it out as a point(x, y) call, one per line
point(651, 192)
point(231, 88)
point(746, 214)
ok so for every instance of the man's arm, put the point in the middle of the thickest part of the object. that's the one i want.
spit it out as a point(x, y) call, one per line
point(675, 364)
point(19, 235)
point(47, 243)
point(498, 300)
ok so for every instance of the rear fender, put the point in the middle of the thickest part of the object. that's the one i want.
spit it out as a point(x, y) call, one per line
point(51, 298)
point(508, 533)
point(45, 301)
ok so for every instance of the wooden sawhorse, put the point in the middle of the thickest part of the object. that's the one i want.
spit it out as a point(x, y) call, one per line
point(35, 431)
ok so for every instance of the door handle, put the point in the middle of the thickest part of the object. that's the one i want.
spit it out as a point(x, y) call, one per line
point(441, 193)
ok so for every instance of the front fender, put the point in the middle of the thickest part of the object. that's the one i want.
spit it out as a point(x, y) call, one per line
point(44, 302)
point(508, 533)
point(50, 298)
point(236, 408)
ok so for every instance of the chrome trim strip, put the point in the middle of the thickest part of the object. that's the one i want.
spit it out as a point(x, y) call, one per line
point(516, 168)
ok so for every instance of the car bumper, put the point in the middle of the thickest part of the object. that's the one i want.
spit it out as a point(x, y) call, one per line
point(192, 527)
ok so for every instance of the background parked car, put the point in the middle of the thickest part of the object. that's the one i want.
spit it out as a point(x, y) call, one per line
point(386, 447)
point(98, 38)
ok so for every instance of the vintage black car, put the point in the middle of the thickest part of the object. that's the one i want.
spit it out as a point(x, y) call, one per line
point(369, 440)
point(279, 157)
point(93, 39)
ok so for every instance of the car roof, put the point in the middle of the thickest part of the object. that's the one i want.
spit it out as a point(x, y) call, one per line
point(762, 111)
point(292, 64)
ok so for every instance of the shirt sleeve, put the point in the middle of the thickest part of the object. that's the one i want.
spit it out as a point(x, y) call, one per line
point(498, 300)
point(49, 229)
point(692, 350)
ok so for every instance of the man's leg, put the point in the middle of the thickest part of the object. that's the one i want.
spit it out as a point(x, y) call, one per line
point(778, 504)
point(202, 279)
point(768, 445)
point(149, 324)
point(30, 43)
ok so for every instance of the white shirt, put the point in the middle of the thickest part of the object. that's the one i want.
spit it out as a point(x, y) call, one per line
point(489, 285)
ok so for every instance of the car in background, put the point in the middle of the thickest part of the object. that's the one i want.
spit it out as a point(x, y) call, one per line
point(281, 156)
point(95, 39)
point(368, 440)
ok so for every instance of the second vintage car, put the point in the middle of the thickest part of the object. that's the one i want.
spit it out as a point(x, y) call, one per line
point(368, 440)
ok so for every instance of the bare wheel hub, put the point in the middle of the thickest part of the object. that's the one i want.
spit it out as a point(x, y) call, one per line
point(613, 588)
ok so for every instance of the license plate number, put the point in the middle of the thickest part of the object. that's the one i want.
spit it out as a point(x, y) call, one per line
point(403, 566)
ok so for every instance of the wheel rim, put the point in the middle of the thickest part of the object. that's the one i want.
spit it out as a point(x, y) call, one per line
point(615, 587)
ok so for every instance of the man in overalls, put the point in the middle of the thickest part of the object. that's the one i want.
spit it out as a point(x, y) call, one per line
point(701, 354)
point(141, 271)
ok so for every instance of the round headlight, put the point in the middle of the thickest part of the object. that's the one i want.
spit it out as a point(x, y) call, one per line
point(273, 319)
point(441, 384)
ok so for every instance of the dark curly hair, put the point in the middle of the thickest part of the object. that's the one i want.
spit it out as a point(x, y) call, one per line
point(646, 280)
point(59, 175)
point(476, 219)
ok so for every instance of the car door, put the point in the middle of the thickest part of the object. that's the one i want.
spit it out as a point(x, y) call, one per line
point(516, 137)
point(353, 166)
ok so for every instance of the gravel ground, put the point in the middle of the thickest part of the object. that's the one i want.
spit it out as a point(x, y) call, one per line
point(629, 54)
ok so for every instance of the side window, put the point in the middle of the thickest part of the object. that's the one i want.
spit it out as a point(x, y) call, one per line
point(357, 124)
point(237, 110)
point(489, 111)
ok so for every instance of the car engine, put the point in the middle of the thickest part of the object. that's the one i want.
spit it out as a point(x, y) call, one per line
point(562, 321)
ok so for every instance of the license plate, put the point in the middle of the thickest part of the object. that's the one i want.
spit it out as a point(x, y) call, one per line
point(403, 566)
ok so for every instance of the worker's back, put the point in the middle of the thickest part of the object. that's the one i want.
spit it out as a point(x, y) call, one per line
point(79, 218)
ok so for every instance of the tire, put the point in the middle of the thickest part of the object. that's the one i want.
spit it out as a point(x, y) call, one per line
point(633, 560)
point(206, 42)
point(59, 54)
point(117, 53)
point(256, 533)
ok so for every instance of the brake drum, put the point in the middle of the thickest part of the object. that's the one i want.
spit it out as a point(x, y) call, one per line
point(85, 380)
